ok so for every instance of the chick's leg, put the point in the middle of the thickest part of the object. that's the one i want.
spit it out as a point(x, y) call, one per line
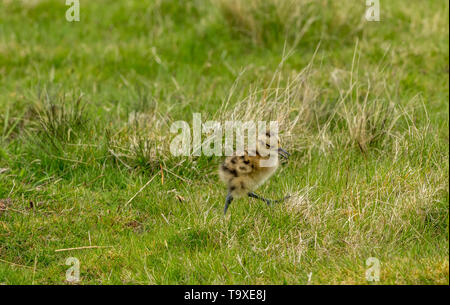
point(253, 195)
point(267, 201)
point(227, 203)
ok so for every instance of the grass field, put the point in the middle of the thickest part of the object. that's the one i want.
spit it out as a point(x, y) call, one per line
point(85, 115)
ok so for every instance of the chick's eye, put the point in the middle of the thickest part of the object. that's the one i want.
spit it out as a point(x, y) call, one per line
point(267, 146)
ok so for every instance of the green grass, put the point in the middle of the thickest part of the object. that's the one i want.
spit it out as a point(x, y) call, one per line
point(85, 114)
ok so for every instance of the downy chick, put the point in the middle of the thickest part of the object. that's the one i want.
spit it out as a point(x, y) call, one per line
point(243, 174)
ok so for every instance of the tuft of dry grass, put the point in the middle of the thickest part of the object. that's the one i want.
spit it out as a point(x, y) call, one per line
point(58, 118)
point(143, 141)
point(261, 20)
point(365, 107)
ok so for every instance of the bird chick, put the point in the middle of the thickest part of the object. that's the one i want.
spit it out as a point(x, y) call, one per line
point(243, 174)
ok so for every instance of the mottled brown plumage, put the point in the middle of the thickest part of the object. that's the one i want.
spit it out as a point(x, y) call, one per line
point(243, 174)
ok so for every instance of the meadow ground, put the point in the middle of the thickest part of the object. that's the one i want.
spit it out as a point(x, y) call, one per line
point(85, 115)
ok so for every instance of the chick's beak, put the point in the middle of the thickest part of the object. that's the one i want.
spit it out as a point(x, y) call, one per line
point(283, 153)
